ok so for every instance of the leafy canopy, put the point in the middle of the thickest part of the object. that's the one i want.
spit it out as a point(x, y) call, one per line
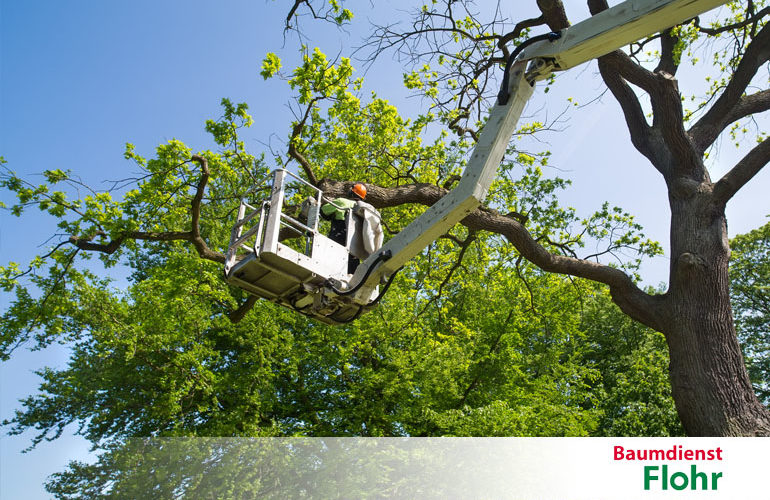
point(470, 340)
point(750, 282)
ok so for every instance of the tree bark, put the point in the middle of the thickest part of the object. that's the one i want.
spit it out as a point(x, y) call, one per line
point(710, 384)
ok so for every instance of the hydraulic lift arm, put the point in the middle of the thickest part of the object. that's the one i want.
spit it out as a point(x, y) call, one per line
point(594, 37)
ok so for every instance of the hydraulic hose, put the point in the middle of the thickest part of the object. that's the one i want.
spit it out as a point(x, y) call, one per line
point(384, 288)
point(371, 304)
point(503, 95)
point(383, 256)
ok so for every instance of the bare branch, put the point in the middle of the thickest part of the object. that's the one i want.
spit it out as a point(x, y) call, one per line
point(637, 47)
point(31, 268)
point(742, 172)
point(746, 22)
point(293, 11)
point(517, 30)
point(323, 13)
point(193, 235)
point(711, 124)
point(439, 33)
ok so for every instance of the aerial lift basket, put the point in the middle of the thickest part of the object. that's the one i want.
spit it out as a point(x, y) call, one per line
point(277, 251)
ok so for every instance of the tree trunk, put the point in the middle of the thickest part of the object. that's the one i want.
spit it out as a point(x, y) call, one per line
point(711, 387)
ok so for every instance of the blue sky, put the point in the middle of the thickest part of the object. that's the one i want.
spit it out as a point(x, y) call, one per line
point(79, 79)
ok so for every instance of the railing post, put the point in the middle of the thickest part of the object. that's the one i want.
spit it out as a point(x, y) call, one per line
point(232, 249)
point(273, 225)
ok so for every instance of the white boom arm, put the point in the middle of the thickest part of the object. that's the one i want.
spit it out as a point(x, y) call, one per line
point(594, 37)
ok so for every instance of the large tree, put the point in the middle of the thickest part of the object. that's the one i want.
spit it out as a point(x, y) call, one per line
point(711, 387)
point(172, 228)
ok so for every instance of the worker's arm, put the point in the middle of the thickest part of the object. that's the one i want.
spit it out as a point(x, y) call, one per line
point(336, 209)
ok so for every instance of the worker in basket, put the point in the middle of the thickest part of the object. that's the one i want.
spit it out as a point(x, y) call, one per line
point(367, 237)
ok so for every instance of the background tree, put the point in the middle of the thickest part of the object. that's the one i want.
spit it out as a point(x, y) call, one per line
point(750, 282)
point(473, 342)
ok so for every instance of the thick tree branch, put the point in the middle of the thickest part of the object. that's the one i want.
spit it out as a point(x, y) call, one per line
point(639, 305)
point(742, 172)
point(667, 61)
point(704, 134)
point(711, 124)
point(238, 314)
point(633, 301)
point(634, 73)
point(304, 163)
point(113, 245)
point(668, 122)
point(616, 67)
point(632, 109)
point(749, 105)
point(554, 14)
point(195, 211)
point(294, 153)
point(619, 64)
point(193, 235)
point(667, 135)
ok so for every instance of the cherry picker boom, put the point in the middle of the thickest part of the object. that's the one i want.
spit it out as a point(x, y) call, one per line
point(314, 280)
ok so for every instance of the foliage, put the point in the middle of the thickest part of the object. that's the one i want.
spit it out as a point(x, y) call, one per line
point(750, 282)
point(635, 391)
point(270, 65)
point(470, 340)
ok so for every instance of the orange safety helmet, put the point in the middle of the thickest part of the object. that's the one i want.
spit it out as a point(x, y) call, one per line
point(360, 190)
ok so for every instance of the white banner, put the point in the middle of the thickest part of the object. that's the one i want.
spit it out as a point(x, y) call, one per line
point(440, 468)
